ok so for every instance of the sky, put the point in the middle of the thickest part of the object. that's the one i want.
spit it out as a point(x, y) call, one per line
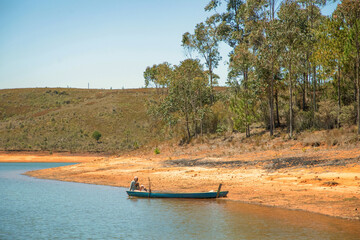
point(100, 43)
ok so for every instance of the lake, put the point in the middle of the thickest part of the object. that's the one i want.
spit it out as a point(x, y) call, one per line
point(33, 208)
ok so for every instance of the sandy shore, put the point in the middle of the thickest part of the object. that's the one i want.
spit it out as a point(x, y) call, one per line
point(45, 157)
point(325, 181)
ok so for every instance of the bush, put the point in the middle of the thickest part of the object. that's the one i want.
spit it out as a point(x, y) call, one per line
point(303, 120)
point(327, 114)
point(157, 151)
point(218, 118)
point(96, 135)
point(347, 115)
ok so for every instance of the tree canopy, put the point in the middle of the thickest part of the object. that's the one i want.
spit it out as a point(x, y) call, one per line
point(289, 67)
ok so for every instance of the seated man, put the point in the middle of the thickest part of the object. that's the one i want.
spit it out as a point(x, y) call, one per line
point(134, 184)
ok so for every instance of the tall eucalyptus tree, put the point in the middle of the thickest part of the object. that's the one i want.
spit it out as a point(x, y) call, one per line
point(291, 18)
point(349, 13)
point(205, 41)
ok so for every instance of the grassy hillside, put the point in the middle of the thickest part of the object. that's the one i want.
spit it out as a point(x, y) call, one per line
point(49, 119)
point(64, 119)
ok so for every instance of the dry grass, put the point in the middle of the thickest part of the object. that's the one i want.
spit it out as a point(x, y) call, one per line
point(64, 119)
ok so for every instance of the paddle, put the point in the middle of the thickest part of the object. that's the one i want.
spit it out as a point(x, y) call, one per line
point(149, 187)
point(218, 191)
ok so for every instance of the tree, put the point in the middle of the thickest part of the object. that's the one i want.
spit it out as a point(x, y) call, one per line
point(248, 26)
point(96, 135)
point(291, 19)
point(231, 25)
point(158, 75)
point(188, 94)
point(349, 13)
point(271, 43)
point(267, 56)
point(240, 63)
point(205, 41)
point(243, 104)
point(187, 99)
point(329, 52)
point(149, 76)
point(313, 17)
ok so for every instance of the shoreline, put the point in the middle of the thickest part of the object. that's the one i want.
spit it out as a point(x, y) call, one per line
point(43, 156)
point(332, 190)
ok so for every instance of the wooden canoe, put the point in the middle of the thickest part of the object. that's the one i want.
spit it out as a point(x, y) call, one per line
point(176, 195)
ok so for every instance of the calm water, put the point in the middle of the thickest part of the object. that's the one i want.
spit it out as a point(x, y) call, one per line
point(44, 209)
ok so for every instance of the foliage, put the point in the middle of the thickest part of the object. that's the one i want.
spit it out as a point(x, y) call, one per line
point(157, 150)
point(96, 135)
point(303, 120)
point(326, 116)
point(218, 118)
point(289, 66)
point(347, 115)
point(158, 75)
point(244, 114)
point(205, 41)
point(189, 94)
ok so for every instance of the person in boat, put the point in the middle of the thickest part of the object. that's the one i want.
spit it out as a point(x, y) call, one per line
point(134, 185)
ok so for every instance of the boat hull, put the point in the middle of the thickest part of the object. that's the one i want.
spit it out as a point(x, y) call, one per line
point(176, 195)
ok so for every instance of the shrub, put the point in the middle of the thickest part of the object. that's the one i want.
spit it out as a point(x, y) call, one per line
point(96, 135)
point(303, 120)
point(327, 114)
point(347, 115)
point(157, 150)
point(217, 118)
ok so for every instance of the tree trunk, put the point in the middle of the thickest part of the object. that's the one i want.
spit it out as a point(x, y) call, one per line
point(187, 127)
point(357, 73)
point(304, 93)
point(272, 106)
point(339, 99)
point(314, 67)
point(314, 93)
point(247, 125)
point(358, 91)
point(277, 108)
point(291, 103)
point(187, 119)
point(308, 76)
point(211, 83)
point(201, 108)
point(354, 83)
point(272, 2)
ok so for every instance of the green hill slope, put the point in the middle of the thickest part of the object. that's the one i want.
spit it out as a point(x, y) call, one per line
point(64, 119)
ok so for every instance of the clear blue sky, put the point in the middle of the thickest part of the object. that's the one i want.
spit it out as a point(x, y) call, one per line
point(107, 43)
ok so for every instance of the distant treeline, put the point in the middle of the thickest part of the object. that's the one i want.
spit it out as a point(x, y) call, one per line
point(289, 67)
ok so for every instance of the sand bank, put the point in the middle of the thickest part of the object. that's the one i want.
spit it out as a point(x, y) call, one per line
point(45, 157)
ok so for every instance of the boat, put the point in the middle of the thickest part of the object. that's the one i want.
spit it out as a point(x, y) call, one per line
point(176, 195)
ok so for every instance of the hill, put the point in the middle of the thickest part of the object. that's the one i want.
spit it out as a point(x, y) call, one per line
point(59, 119)
point(64, 119)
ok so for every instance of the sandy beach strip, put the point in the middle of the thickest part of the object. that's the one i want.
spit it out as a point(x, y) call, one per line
point(45, 157)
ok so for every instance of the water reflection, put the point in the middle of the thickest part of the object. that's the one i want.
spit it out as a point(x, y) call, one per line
point(216, 217)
